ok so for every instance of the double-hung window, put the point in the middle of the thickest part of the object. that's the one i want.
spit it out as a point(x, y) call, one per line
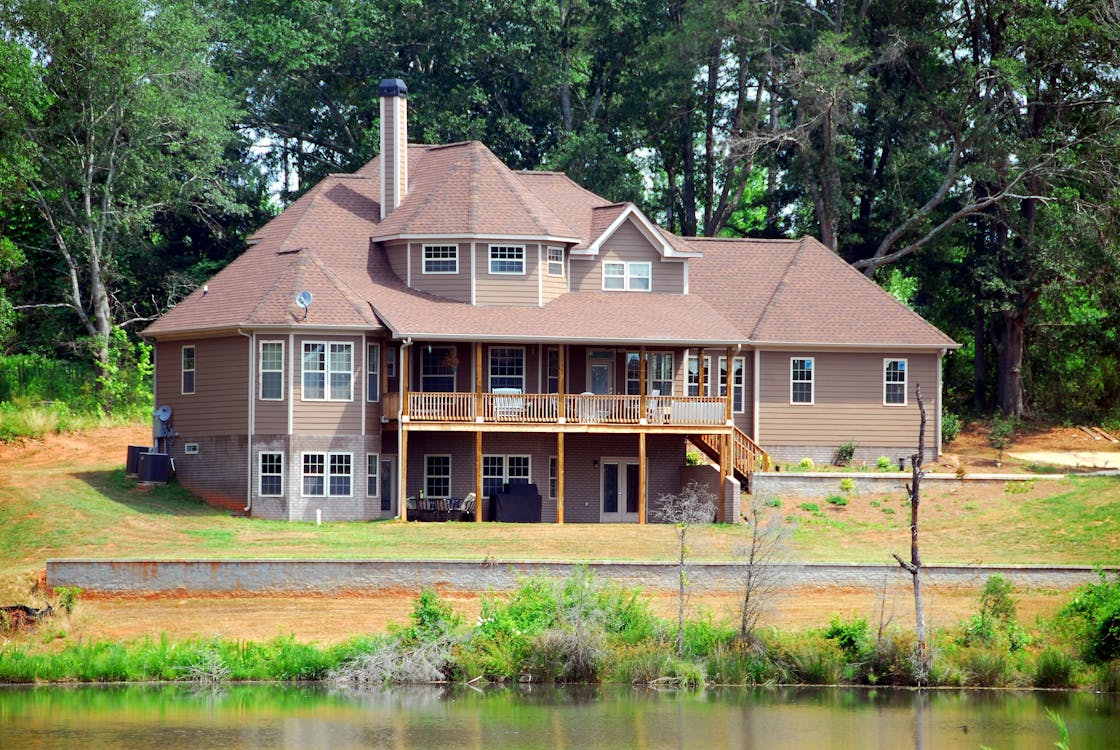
point(737, 382)
point(507, 367)
point(507, 259)
point(695, 387)
point(328, 371)
point(327, 474)
point(801, 380)
point(436, 372)
point(270, 475)
point(659, 374)
point(272, 371)
point(437, 476)
point(372, 466)
point(552, 365)
point(188, 369)
point(373, 372)
point(894, 382)
point(498, 471)
point(553, 477)
point(441, 259)
point(628, 276)
point(555, 261)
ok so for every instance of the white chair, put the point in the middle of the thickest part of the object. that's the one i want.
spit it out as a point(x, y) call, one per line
point(509, 404)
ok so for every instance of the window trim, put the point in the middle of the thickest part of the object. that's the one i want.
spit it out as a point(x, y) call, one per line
point(428, 475)
point(390, 361)
point(261, 475)
point(326, 371)
point(554, 263)
point(439, 354)
point(490, 367)
point(628, 276)
point(261, 371)
point(702, 389)
point(905, 382)
point(425, 260)
point(374, 460)
point(636, 382)
point(553, 477)
point(183, 369)
point(505, 460)
point(373, 372)
point(812, 381)
point(493, 260)
point(327, 473)
point(742, 387)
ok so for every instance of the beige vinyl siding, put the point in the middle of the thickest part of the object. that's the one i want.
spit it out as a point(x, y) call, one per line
point(505, 289)
point(848, 400)
point(219, 405)
point(455, 286)
point(397, 253)
point(327, 417)
point(628, 244)
point(553, 286)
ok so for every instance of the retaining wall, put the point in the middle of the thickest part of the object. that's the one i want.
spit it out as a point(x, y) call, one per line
point(305, 577)
point(821, 483)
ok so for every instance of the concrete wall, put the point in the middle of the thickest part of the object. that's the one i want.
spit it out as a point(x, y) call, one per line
point(820, 484)
point(338, 576)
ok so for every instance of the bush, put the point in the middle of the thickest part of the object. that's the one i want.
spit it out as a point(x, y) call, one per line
point(838, 500)
point(891, 661)
point(882, 463)
point(773, 502)
point(847, 484)
point(950, 425)
point(1053, 669)
point(852, 637)
point(1094, 617)
point(986, 667)
point(810, 507)
point(845, 453)
point(806, 464)
point(816, 663)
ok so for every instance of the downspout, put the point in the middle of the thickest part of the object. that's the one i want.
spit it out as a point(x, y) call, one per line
point(402, 479)
point(252, 413)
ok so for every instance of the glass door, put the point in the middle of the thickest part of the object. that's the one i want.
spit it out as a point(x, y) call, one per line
point(619, 490)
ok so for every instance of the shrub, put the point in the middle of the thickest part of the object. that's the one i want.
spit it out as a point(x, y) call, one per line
point(1094, 617)
point(1109, 678)
point(845, 453)
point(847, 484)
point(806, 464)
point(852, 637)
point(810, 507)
point(1053, 669)
point(838, 500)
point(816, 663)
point(950, 425)
point(883, 463)
point(773, 502)
point(692, 458)
point(891, 660)
point(738, 663)
point(67, 597)
point(986, 667)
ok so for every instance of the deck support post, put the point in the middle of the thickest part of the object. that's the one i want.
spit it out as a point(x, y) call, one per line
point(642, 385)
point(479, 414)
point(701, 372)
point(402, 480)
point(560, 477)
point(561, 386)
point(724, 463)
point(479, 500)
point(729, 387)
point(642, 488)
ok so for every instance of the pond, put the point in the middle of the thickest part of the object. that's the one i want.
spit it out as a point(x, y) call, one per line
point(306, 716)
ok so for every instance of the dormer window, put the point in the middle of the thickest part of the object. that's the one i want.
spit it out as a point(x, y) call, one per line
point(631, 276)
point(441, 259)
point(507, 259)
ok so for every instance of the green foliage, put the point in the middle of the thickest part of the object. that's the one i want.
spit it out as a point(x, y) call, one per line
point(67, 597)
point(773, 502)
point(810, 507)
point(1053, 669)
point(986, 667)
point(837, 500)
point(692, 458)
point(845, 453)
point(806, 464)
point(951, 425)
point(847, 484)
point(1001, 433)
point(125, 382)
point(431, 618)
point(994, 623)
point(883, 463)
point(853, 637)
point(1094, 620)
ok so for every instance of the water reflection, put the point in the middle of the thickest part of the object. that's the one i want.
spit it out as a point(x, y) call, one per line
point(451, 717)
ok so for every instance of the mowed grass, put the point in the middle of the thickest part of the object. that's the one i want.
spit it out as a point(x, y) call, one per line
point(90, 509)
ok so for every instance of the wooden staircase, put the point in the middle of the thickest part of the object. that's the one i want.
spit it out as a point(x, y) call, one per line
point(747, 456)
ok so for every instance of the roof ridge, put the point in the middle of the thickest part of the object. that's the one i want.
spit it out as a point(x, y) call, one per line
point(766, 309)
point(348, 292)
point(313, 195)
point(299, 260)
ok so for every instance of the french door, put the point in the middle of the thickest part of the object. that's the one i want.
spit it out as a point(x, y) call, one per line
point(618, 485)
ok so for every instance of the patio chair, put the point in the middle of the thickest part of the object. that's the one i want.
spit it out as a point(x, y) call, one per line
point(509, 404)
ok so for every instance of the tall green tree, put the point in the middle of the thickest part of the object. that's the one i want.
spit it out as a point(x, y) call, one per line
point(134, 126)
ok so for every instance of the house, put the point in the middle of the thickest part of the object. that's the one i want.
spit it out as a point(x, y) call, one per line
point(435, 324)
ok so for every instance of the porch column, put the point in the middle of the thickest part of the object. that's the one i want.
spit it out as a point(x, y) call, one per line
point(479, 501)
point(642, 385)
point(724, 472)
point(642, 478)
point(479, 413)
point(402, 480)
point(560, 478)
point(405, 355)
point(727, 376)
point(383, 368)
point(701, 374)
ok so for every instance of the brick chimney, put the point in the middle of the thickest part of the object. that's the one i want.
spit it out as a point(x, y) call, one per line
point(394, 143)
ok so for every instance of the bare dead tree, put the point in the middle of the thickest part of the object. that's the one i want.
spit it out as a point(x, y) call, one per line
point(694, 504)
point(764, 551)
point(914, 567)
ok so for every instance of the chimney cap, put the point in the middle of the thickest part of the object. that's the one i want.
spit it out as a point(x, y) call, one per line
point(392, 87)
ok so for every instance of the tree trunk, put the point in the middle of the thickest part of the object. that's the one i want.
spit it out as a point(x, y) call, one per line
point(1011, 362)
point(914, 567)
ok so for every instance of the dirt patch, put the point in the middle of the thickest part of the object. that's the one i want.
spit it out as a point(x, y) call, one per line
point(972, 451)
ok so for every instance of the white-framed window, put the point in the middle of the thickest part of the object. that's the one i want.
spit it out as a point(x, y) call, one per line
point(272, 371)
point(628, 276)
point(555, 261)
point(801, 380)
point(507, 367)
point(894, 382)
point(659, 374)
point(738, 382)
point(328, 371)
point(507, 259)
point(327, 474)
point(694, 385)
point(437, 475)
point(270, 474)
point(553, 477)
point(187, 361)
point(390, 361)
point(441, 259)
point(498, 471)
point(436, 372)
point(373, 464)
point(373, 372)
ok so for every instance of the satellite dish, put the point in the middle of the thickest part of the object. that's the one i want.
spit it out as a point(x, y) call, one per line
point(163, 413)
point(303, 299)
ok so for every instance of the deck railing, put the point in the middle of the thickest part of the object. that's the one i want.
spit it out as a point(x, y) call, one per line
point(586, 408)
